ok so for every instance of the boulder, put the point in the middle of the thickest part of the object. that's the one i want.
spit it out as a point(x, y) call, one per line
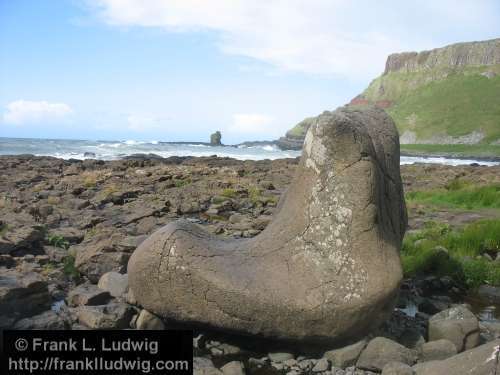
point(322, 365)
point(482, 360)
point(204, 366)
point(380, 351)
point(280, 356)
point(346, 356)
point(437, 350)
point(397, 368)
point(456, 324)
point(115, 283)
point(21, 295)
point(233, 368)
point(326, 269)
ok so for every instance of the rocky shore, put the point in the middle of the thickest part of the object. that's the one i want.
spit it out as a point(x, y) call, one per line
point(68, 228)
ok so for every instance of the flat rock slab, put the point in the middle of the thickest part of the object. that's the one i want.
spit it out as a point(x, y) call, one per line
point(482, 360)
point(325, 269)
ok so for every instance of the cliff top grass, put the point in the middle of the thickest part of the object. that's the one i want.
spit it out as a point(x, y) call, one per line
point(299, 130)
point(442, 101)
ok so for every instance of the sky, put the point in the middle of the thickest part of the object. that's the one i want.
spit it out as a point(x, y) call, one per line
point(176, 70)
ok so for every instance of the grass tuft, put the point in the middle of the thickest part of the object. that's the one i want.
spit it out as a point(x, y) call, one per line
point(439, 250)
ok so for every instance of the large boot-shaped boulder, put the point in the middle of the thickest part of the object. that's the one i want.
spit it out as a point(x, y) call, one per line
point(326, 268)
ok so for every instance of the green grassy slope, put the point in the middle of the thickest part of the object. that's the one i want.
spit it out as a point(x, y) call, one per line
point(442, 102)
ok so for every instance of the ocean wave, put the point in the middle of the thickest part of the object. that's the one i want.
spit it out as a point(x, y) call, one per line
point(132, 142)
point(196, 145)
point(109, 150)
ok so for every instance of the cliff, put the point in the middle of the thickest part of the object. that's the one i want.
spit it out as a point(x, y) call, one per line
point(454, 56)
point(447, 95)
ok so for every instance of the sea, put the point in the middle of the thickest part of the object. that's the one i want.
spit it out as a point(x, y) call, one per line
point(113, 150)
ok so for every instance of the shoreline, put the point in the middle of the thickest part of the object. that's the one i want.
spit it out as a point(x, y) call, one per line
point(450, 156)
point(175, 159)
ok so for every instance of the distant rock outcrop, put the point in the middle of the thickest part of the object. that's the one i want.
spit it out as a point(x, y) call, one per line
point(294, 138)
point(215, 138)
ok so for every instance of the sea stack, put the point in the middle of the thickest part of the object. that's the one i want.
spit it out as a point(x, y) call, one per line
point(215, 138)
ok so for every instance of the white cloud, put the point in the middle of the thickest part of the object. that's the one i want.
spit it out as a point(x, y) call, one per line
point(333, 37)
point(26, 112)
point(250, 123)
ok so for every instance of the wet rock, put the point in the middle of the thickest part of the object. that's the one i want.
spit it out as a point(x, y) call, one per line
point(115, 283)
point(148, 321)
point(456, 324)
point(490, 330)
point(346, 356)
point(7, 261)
point(21, 295)
point(49, 320)
point(233, 368)
point(397, 368)
point(482, 360)
point(111, 316)
point(381, 351)
point(437, 350)
point(492, 293)
point(322, 214)
point(88, 294)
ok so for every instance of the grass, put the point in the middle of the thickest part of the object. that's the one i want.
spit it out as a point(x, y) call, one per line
point(439, 250)
point(4, 227)
point(69, 268)
point(58, 241)
point(254, 194)
point(459, 195)
point(300, 129)
point(180, 183)
point(229, 193)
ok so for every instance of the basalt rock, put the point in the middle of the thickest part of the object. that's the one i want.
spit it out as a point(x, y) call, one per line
point(327, 266)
